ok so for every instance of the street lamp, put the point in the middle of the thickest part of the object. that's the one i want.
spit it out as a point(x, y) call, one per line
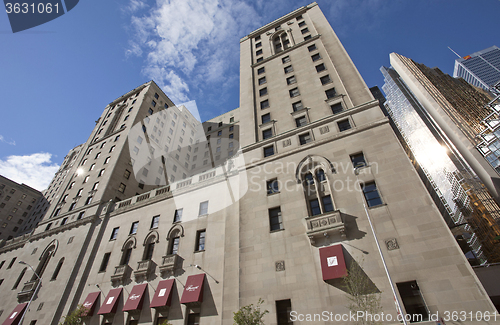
point(396, 299)
point(34, 292)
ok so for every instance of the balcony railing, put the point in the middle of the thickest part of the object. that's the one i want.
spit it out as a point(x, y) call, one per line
point(168, 263)
point(122, 272)
point(325, 225)
point(143, 269)
point(27, 291)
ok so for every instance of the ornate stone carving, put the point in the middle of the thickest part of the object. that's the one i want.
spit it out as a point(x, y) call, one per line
point(280, 266)
point(287, 143)
point(325, 225)
point(391, 244)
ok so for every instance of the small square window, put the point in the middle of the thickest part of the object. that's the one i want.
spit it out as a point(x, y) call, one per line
point(155, 221)
point(261, 81)
point(291, 80)
point(297, 106)
point(308, 37)
point(312, 47)
point(257, 45)
point(114, 233)
point(259, 52)
point(371, 194)
point(266, 118)
point(200, 240)
point(126, 174)
point(315, 57)
point(260, 59)
point(150, 111)
point(231, 120)
point(263, 91)
point(268, 151)
point(277, 28)
point(264, 104)
point(337, 108)
point(153, 103)
point(275, 220)
point(104, 263)
point(358, 160)
point(261, 70)
point(305, 31)
point(288, 69)
point(121, 188)
point(272, 186)
point(294, 92)
point(320, 67)
point(133, 228)
point(301, 121)
point(203, 208)
point(327, 203)
point(156, 96)
point(286, 59)
point(266, 134)
point(299, 18)
point(314, 205)
point(325, 79)
point(302, 23)
point(305, 138)
point(344, 125)
point(257, 38)
point(219, 133)
point(330, 93)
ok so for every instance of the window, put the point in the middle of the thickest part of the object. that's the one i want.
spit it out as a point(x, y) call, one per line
point(268, 151)
point(336, 108)
point(413, 300)
point(126, 256)
point(308, 37)
point(258, 45)
point(272, 186)
point(94, 188)
point(275, 221)
point(174, 247)
point(286, 59)
point(104, 263)
point(114, 233)
point(261, 70)
point(261, 82)
point(259, 52)
point(320, 175)
point(344, 125)
point(291, 80)
point(263, 91)
point(302, 23)
point(358, 160)
point(71, 185)
point(111, 149)
point(231, 136)
point(88, 200)
point(133, 228)
point(299, 18)
point(121, 188)
point(294, 92)
point(153, 103)
point(266, 118)
point(320, 67)
point(148, 253)
point(260, 59)
point(80, 215)
point(264, 104)
point(101, 172)
point(327, 203)
point(301, 121)
point(11, 263)
point(86, 179)
point(330, 93)
point(305, 31)
point(288, 69)
point(178, 215)
point(155, 221)
point(315, 57)
point(283, 309)
point(371, 194)
point(193, 319)
point(325, 79)
point(19, 278)
point(1, 264)
point(203, 208)
point(126, 174)
point(257, 38)
point(57, 270)
point(266, 134)
point(305, 138)
point(200, 240)
point(118, 137)
point(297, 106)
point(64, 221)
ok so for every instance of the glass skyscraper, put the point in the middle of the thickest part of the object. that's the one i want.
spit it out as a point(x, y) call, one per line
point(481, 69)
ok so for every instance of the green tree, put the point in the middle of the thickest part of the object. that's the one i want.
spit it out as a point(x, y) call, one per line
point(75, 317)
point(165, 322)
point(363, 295)
point(250, 315)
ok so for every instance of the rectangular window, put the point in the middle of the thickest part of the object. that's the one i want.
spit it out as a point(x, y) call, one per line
point(358, 160)
point(268, 151)
point(149, 251)
point(175, 246)
point(258, 45)
point(330, 93)
point(272, 186)
point(283, 309)
point(300, 121)
point(266, 118)
point(203, 208)
point(133, 228)
point(260, 59)
point(200, 240)
point(297, 106)
point(155, 221)
point(325, 79)
point(257, 38)
point(114, 233)
point(311, 47)
point(259, 52)
point(320, 67)
point(193, 319)
point(286, 59)
point(126, 174)
point(261, 70)
point(264, 104)
point(344, 125)
point(413, 300)
point(11, 263)
point(302, 23)
point(154, 105)
point(308, 37)
point(371, 194)
point(178, 215)
point(121, 188)
point(305, 138)
point(266, 134)
point(337, 108)
point(261, 82)
point(288, 69)
point(315, 57)
point(104, 263)
point(263, 91)
point(305, 31)
point(126, 256)
point(291, 80)
point(327, 203)
point(294, 92)
point(275, 220)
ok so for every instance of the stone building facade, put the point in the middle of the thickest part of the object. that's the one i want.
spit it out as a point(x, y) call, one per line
point(281, 218)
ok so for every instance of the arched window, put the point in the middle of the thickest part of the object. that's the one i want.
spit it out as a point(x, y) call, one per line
point(126, 253)
point(174, 239)
point(320, 175)
point(281, 42)
point(58, 268)
point(308, 179)
point(47, 254)
point(19, 279)
point(149, 245)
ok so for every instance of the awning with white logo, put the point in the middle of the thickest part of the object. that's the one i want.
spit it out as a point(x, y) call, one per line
point(163, 294)
point(90, 303)
point(136, 298)
point(193, 291)
point(332, 262)
point(111, 302)
point(15, 316)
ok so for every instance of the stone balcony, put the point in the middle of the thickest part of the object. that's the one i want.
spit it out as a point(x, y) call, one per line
point(27, 291)
point(168, 263)
point(122, 272)
point(325, 225)
point(143, 270)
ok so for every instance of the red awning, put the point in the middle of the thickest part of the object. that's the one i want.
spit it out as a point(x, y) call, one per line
point(90, 303)
point(111, 302)
point(193, 291)
point(136, 297)
point(332, 262)
point(163, 294)
point(15, 316)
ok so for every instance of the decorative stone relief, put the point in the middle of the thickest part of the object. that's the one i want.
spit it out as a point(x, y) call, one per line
point(391, 244)
point(324, 129)
point(287, 143)
point(280, 266)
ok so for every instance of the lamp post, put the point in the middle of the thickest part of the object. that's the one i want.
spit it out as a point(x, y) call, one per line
point(396, 298)
point(34, 292)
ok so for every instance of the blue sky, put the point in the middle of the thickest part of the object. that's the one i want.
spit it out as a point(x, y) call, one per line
point(55, 79)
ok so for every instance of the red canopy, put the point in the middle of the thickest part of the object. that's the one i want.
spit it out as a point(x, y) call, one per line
point(90, 303)
point(193, 291)
point(15, 316)
point(111, 302)
point(332, 262)
point(163, 294)
point(136, 298)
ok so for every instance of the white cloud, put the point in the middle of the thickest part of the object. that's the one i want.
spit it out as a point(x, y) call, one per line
point(12, 143)
point(35, 170)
